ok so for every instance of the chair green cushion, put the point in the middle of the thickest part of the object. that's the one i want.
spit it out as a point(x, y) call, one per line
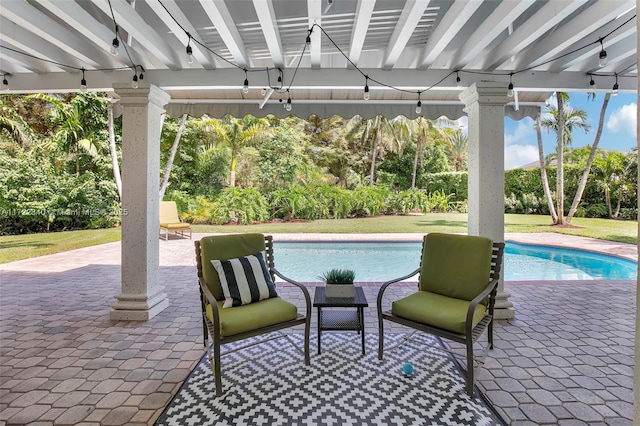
point(264, 313)
point(438, 311)
point(456, 266)
point(226, 247)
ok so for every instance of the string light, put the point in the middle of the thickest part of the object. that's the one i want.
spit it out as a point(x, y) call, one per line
point(602, 61)
point(83, 83)
point(287, 106)
point(510, 89)
point(115, 43)
point(458, 80)
point(308, 40)
point(245, 86)
point(366, 88)
point(134, 81)
point(592, 83)
point(263, 91)
point(5, 82)
point(614, 90)
point(189, 51)
point(419, 105)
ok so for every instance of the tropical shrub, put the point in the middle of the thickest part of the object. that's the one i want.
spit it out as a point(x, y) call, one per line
point(370, 200)
point(239, 205)
point(407, 201)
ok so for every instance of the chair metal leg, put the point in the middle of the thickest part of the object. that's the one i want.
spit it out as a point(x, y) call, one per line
point(470, 368)
point(490, 334)
point(307, 329)
point(380, 337)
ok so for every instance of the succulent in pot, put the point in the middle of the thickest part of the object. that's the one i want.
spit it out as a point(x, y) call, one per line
point(339, 282)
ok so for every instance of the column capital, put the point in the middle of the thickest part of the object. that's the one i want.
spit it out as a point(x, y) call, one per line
point(485, 93)
point(145, 94)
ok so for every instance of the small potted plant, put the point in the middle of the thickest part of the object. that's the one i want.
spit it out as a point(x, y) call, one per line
point(339, 282)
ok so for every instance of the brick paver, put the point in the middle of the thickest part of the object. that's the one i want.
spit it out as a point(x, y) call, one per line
point(567, 357)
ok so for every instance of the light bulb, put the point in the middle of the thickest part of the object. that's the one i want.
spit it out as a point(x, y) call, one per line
point(419, 107)
point(603, 59)
point(287, 106)
point(308, 41)
point(245, 87)
point(592, 84)
point(134, 82)
point(263, 91)
point(5, 84)
point(614, 91)
point(83, 85)
point(458, 81)
point(366, 93)
point(189, 54)
point(114, 46)
point(510, 90)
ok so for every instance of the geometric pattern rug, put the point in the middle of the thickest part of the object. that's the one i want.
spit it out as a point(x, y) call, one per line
point(268, 384)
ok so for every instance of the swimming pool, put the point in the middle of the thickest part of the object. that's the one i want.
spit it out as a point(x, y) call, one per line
point(382, 261)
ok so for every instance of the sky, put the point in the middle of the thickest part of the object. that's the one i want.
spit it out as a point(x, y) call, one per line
point(618, 133)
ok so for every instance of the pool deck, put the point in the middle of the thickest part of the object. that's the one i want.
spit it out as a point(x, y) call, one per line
point(567, 357)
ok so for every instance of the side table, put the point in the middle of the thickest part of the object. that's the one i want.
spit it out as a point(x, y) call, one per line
point(340, 319)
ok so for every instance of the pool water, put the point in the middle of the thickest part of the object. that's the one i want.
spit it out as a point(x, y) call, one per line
point(382, 261)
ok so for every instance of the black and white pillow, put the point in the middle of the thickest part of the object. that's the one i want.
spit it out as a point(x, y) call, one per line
point(244, 280)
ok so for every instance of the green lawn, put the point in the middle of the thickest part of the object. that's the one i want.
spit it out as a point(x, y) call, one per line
point(16, 247)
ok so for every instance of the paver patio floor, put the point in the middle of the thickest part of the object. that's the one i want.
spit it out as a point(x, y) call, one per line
point(567, 357)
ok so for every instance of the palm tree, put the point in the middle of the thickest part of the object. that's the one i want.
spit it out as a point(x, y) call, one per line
point(236, 134)
point(379, 132)
point(457, 150)
point(563, 120)
point(425, 131)
point(12, 124)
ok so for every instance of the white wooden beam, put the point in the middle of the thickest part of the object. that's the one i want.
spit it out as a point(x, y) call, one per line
point(409, 18)
point(90, 28)
point(546, 18)
point(201, 55)
point(267, 18)
point(33, 20)
point(500, 19)
point(314, 11)
point(221, 18)
point(364, 10)
point(22, 61)
point(581, 28)
point(455, 18)
point(130, 20)
point(30, 43)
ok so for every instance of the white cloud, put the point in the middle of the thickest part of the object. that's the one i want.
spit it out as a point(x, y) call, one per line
point(518, 155)
point(524, 131)
point(624, 119)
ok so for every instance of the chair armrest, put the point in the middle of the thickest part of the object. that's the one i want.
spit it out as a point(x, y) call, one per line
point(305, 292)
point(472, 305)
point(387, 284)
point(212, 301)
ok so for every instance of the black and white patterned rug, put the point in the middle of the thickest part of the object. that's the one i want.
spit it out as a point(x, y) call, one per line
point(268, 384)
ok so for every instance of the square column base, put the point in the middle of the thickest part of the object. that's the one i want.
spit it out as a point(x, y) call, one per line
point(138, 307)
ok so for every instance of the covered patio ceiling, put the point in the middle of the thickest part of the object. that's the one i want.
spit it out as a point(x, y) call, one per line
point(409, 49)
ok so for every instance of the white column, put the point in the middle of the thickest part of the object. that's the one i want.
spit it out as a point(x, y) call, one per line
point(484, 104)
point(141, 297)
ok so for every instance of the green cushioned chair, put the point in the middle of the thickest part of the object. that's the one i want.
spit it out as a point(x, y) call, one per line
point(225, 325)
point(456, 293)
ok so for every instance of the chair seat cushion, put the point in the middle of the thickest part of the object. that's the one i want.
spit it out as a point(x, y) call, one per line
point(437, 311)
point(175, 225)
point(253, 316)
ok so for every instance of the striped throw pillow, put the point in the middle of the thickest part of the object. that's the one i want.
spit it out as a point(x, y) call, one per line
point(244, 280)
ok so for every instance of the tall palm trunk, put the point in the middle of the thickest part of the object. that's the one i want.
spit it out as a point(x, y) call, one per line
point(232, 173)
point(592, 154)
point(172, 155)
point(419, 147)
point(374, 154)
point(560, 167)
point(112, 150)
point(543, 171)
